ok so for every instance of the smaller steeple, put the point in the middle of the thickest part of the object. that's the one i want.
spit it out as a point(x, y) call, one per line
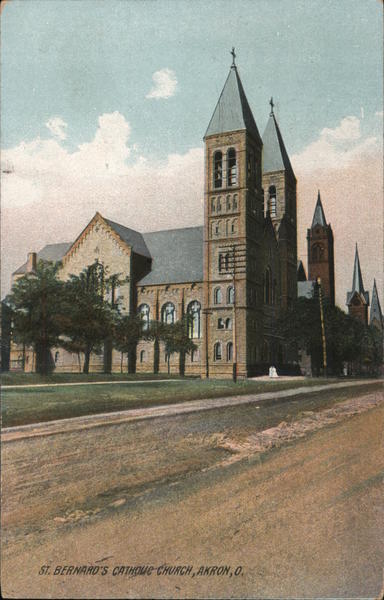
point(319, 216)
point(275, 155)
point(357, 282)
point(375, 313)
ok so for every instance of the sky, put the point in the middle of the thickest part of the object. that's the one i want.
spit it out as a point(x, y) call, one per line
point(105, 104)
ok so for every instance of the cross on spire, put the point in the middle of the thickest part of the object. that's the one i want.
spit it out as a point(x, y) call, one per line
point(272, 105)
point(233, 56)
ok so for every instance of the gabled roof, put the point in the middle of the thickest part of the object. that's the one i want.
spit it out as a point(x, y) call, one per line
point(375, 312)
point(177, 256)
point(319, 216)
point(127, 238)
point(50, 253)
point(275, 156)
point(357, 281)
point(232, 112)
point(130, 237)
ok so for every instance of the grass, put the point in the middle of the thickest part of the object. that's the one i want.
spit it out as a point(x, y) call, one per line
point(29, 405)
point(35, 378)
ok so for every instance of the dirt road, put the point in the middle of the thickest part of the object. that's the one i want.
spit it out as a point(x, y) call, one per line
point(301, 519)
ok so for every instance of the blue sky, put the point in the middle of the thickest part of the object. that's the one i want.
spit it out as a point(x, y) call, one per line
point(105, 104)
point(320, 60)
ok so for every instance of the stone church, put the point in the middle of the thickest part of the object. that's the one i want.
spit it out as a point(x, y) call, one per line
point(233, 275)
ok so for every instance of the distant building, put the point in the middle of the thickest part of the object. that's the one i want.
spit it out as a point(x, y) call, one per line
point(358, 298)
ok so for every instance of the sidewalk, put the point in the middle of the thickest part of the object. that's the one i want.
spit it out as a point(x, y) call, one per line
point(86, 422)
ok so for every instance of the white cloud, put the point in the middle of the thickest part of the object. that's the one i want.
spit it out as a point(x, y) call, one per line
point(50, 194)
point(336, 148)
point(58, 127)
point(165, 84)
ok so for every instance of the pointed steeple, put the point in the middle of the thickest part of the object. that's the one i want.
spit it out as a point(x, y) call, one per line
point(357, 282)
point(232, 112)
point(319, 216)
point(275, 156)
point(375, 313)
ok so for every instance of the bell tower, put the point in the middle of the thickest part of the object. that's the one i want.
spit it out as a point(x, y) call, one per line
point(321, 261)
point(233, 227)
point(358, 298)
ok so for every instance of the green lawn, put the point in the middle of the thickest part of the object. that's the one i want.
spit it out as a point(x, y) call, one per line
point(29, 405)
point(34, 378)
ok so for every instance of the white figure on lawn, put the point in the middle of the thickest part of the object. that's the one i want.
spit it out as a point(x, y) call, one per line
point(273, 372)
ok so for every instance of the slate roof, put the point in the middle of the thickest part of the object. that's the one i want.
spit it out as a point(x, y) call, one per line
point(306, 289)
point(301, 276)
point(232, 112)
point(357, 282)
point(51, 253)
point(177, 256)
point(275, 156)
point(375, 312)
point(319, 216)
point(131, 237)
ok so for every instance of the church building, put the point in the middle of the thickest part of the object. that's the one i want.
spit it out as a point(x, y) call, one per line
point(233, 275)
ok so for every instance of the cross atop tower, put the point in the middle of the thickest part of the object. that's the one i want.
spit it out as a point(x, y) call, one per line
point(272, 105)
point(233, 56)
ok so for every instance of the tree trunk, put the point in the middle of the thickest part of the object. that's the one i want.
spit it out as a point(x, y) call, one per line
point(79, 361)
point(121, 361)
point(156, 352)
point(182, 364)
point(87, 356)
point(169, 367)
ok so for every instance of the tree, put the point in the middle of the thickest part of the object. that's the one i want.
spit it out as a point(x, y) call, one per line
point(128, 329)
point(347, 338)
point(300, 325)
point(176, 340)
point(37, 303)
point(90, 316)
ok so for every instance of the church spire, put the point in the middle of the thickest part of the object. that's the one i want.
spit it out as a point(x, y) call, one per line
point(275, 155)
point(232, 112)
point(319, 216)
point(375, 314)
point(357, 282)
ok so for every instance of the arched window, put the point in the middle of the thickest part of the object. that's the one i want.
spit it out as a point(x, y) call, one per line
point(218, 169)
point(268, 286)
point(57, 354)
point(213, 204)
point(229, 351)
point(218, 205)
point(226, 227)
point(228, 323)
point(231, 167)
point(195, 356)
point(217, 351)
point(144, 316)
point(217, 296)
point(217, 228)
point(168, 313)
point(272, 200)
point(234, 202)
point(228, 203)
point(220, 323)
point(194, 310)
point(230, 295)
point(142, 356)
point(233, 226)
